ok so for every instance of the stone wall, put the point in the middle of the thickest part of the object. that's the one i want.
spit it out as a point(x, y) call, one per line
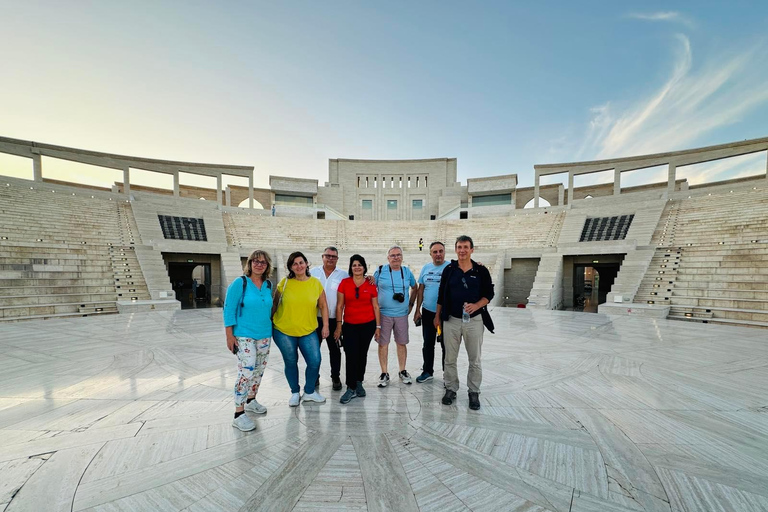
point(518, 281)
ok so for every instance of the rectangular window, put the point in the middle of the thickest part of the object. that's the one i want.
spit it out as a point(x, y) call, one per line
point(417, 204)
point(493, 200)
point(291, 200)
point(182, 228)
point(367, 204)
point(391, 204)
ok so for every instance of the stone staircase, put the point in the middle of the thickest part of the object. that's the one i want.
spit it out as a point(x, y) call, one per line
point(156, 277)
point(129, 279)
point(630, 276)
point(659, 279)
point(231, 269)
point(547, 286)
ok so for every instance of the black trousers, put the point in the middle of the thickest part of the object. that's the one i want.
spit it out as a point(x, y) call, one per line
point(357, 340)
point(429, 334)
point(334, 351)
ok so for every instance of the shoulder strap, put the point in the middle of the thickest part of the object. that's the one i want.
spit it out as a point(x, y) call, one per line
point(379, 275)
point(242, 296)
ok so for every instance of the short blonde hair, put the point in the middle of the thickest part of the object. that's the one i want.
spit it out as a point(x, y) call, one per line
point(258, 253)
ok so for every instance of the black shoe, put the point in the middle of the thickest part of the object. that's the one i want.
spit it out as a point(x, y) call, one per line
point(449, 397)
point(336, 384)
point(360, 389)
point(474, 401)
point(348, 396)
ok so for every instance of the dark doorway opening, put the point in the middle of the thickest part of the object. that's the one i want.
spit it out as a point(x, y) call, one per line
point(591, 284)
point(192, 284)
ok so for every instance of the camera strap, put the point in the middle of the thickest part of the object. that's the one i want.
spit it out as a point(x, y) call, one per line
point(402, 277)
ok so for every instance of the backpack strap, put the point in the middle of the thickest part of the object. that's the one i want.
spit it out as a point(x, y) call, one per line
point(242, 297)
point(378, 275)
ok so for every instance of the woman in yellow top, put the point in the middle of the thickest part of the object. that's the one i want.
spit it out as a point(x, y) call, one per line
point(297, 299)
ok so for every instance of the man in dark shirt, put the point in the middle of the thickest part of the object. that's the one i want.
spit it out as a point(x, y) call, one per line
point(465, 291)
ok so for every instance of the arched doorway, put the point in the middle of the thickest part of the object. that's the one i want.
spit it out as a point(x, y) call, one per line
point(542, 203)
point(192, 284)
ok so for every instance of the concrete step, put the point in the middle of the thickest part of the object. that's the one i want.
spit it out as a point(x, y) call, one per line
point(53, 309)
point(77, 314)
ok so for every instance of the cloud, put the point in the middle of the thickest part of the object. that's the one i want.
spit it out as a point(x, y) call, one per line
point(728, 168)
point(693, 102)
point(668, 16)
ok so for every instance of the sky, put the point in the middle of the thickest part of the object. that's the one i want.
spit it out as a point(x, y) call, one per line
point(284, 86)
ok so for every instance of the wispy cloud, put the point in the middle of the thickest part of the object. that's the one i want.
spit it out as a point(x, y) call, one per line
point(667, 16)
point(693, 102)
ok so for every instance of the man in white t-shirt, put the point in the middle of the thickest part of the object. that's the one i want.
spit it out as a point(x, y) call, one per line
point(330, 276)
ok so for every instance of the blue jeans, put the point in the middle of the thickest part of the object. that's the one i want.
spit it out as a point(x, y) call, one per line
point(310, 349)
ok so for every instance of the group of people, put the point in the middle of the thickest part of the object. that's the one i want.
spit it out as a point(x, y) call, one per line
point(349, 309)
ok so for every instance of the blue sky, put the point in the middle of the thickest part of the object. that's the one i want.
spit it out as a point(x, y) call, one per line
point(284, 86)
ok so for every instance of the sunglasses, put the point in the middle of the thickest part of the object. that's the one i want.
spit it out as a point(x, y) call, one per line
point(330, 256)
point(257, 263)
point(464, 281)
point(357, 293)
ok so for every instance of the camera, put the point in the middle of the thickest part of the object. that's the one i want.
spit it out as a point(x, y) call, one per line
point(399, 297)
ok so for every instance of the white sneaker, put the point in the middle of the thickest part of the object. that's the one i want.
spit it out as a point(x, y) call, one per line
point(254, 406)
point(244, 423)
point(294, 400)
point(314, 397)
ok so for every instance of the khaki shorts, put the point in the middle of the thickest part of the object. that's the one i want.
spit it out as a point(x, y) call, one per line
point(399, 324)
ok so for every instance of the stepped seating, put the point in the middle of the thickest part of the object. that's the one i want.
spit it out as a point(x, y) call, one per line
point(54, 280)
point(715, 249)
point(521, 231)
point(62, 254)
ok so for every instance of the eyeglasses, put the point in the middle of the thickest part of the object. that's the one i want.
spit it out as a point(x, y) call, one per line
point(395, 256)
point(330, 256)
point(464, 281)
point(257, 263)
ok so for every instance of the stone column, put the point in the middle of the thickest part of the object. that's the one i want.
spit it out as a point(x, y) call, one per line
point(218, 189)
point(616, 181)
point(250, 192)
point(570, 189)
point(671, 179)
point(536, 191)
point(560, 195)
point(228, 195)
point(176, 184)
point(127, 181)
point(37, 166)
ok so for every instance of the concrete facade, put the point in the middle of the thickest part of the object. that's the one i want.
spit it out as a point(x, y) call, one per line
point(388, 189)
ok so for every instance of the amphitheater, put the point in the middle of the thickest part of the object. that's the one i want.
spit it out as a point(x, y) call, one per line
point(628, 371)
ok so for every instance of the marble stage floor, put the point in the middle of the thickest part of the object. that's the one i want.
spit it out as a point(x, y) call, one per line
point(580, 412)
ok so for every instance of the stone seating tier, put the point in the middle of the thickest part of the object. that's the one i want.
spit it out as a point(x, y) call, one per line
point(738, 217)
point(711, 261)
point(43, 311)
point(534, 230)
point(28, 215)
point(44, 280)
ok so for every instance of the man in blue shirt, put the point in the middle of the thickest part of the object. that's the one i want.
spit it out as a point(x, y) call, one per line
point(426, 306)
point(393, 281)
